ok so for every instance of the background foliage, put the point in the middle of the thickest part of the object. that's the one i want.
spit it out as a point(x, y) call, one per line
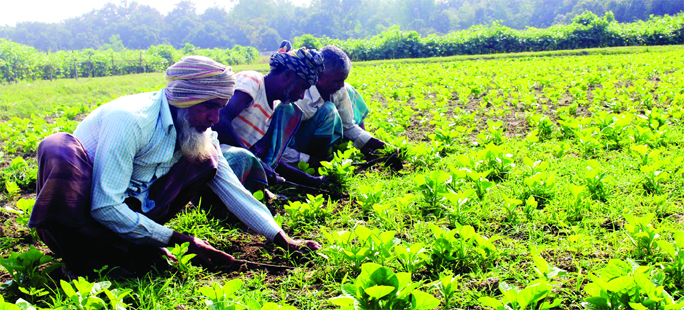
point(22, 62)
point(586, 31)
point(263, 23)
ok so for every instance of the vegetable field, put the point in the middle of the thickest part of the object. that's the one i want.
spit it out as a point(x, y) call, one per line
point(528, 183)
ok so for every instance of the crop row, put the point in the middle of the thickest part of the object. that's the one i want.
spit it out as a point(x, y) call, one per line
point(528, 184)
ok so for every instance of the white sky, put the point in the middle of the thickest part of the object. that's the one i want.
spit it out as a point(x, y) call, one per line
point(51, 11)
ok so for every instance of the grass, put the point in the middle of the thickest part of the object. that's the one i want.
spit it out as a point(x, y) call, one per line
point(37, 97)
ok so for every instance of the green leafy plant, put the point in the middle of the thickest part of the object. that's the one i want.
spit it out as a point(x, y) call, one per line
point(313, 209)
point(23, 211)
point(433, 187)
point(358, 246)
point(182, 261)
point(596, 178)
point(543, 125)
point(339, 170)
point(493, 134)
point(626, 285)
point(12, 190)
point(462, 248)
point(29, 269)
point(642, 151)
point(411, 256)
point(537, 295)
point(379, 287)
point(577, 205)
point(540, 185)
point(675, 252)
point(654, 175)
point(641, 233)
point(447, 285)
point(369, 195)
point(510, 205)
point(560, 149)
point(84, 295)
point(305, 167)
point(219, 297)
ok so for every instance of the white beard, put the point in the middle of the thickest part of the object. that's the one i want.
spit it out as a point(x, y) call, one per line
point(195, 146)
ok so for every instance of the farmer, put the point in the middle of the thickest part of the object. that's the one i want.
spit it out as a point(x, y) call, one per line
point(332, 110)
point(260, 116)
point(105, 192)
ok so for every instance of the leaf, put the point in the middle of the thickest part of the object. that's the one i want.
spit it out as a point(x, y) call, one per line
point(259, 195)
point(342, 301)
point(379, 291)
point(422, 300)
point(490, 302)
point(541, 264)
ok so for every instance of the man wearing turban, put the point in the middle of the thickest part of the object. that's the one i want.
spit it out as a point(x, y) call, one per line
point(333, 111)
point(260, 116)
point(105, 192)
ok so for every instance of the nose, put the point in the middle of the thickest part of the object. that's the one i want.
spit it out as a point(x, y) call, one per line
point(213, 116)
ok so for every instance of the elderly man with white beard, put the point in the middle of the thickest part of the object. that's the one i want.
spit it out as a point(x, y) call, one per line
point(105, 192)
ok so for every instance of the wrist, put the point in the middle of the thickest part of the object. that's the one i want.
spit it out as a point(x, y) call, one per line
point(178, 238)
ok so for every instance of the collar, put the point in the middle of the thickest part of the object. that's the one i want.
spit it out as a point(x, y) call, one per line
point(314, 94)
point(165, 112)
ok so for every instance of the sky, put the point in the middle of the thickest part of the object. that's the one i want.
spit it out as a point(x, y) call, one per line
point(52, 11)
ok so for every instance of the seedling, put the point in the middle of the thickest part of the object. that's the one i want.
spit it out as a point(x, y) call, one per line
point(182, 262)
point(29, 269)
point(626, 285)
point(84, 295)
point(379, 288)
point(675, 252)
point(642, 234)
point(411, 256)
point(537, 295)
point(596, 178)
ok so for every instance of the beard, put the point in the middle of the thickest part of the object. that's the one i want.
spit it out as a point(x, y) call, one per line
point(195, 146)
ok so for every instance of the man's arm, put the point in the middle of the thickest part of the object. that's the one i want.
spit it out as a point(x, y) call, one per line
point(224, 128)
point(345, 108)
point(241, 202)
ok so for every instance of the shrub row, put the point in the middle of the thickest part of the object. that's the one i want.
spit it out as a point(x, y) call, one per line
point(22, 62)
point(587, 31)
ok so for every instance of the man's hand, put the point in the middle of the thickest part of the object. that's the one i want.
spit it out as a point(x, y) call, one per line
point(295, 245)
point(206, 254)
point(372, 147)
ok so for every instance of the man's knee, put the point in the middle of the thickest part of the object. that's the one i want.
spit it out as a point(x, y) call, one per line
point(326, 113)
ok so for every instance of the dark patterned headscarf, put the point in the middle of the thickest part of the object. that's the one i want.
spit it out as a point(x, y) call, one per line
point(308, 64)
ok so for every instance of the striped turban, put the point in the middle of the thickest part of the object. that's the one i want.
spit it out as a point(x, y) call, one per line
point(308, 64)
point(196, 79)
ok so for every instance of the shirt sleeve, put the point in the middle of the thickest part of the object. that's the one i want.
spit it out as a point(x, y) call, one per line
point(249, 83)
point(293, 157)
point(119, 140)
point(352, 131)
point(241, 202)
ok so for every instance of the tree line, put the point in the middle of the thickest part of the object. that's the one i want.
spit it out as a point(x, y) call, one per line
point(263, 23)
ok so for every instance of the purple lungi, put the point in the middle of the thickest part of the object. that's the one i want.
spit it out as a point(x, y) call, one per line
point(62, 218)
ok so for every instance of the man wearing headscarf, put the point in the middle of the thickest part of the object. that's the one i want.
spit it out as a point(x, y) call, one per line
point(333, 111)
point(260, 116)
point(105, 192)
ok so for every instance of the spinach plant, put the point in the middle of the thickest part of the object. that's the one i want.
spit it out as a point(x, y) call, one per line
point(378, 287)
point(29, 269)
